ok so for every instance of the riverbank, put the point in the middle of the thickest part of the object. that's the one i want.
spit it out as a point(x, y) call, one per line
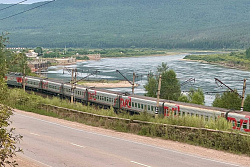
point(222, 64)
point(108, 84)
point(233, 60)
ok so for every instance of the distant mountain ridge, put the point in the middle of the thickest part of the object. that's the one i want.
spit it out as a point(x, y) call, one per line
point(202, 24)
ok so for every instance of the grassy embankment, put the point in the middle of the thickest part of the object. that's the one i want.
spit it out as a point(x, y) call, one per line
point(233, 60)
point(232, 142)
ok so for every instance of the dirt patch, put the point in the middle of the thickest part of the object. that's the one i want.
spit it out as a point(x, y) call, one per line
point(120, 84)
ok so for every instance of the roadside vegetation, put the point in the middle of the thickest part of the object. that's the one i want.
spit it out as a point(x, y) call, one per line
point(8, 138)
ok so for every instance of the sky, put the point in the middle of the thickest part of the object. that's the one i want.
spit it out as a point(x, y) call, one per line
point(17, 1)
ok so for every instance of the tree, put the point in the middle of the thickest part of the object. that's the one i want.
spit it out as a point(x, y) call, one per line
point(229, 100)
point(248, 53)
point(151, 86)
point(3, 61)
point(20, 63)
point(170, 86)
point(194, 96)
point(247, 103)
point(7, 137)
point(39, 50)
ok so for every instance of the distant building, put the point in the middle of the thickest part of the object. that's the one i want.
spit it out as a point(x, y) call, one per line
point(38, 64)
point(31, 53)
point(66, 60)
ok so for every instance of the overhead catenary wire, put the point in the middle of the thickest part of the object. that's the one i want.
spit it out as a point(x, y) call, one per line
point(26, 10)
point(12, 5)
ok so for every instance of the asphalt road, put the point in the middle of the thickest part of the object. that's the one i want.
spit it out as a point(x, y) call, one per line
point(55, 144)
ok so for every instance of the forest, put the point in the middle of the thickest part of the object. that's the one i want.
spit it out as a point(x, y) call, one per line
point(172, 24)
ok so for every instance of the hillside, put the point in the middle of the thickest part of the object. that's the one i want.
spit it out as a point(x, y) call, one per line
point(128, 23)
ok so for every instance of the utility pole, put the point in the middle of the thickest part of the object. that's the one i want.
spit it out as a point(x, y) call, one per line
point(75, 79)
point(133, 84)
point(72, 86)
point(24, 77)
point(158, 98)
point(243, 95)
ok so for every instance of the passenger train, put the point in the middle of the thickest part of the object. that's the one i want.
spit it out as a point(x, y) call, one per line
point(130, 103)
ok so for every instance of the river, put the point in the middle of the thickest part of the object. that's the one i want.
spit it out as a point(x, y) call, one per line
point(204, 74)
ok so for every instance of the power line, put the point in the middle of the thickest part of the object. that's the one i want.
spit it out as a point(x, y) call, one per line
point(12, 5)
point(27, 10)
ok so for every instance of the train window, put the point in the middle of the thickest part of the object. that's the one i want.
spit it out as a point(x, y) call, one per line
point(183, 113)
point(238, 123)
point(133, 104)
point(105, 98)
point(98, 97)
point(206, 118)
point(139, 105)
point(244, 125)
point(129, 103)
point(148, 107)
point(152, 108)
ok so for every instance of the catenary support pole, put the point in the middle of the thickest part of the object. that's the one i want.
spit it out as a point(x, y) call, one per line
point(243, 95)
point(72, 90)
point(158, 98)
point(133, 84)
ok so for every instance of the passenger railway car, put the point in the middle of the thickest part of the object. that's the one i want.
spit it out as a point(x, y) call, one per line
point(131, 103)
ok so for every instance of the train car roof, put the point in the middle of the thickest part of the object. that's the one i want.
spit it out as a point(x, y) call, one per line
point(107, 91)
point(54, 80)
point(146, 98)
